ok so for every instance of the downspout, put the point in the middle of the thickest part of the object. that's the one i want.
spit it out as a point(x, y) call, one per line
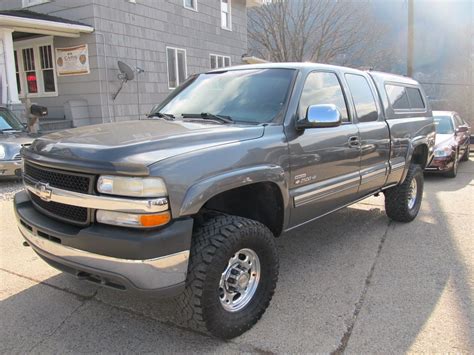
point(106, 79)
point(105, 67)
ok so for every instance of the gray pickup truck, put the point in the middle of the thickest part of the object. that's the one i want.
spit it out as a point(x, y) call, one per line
point(188, 202)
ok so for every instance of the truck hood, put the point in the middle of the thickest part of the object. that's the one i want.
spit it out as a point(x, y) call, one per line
point(139, 142)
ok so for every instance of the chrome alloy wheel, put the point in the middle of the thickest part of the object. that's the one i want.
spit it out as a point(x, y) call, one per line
point(239, 281)
point(412, 194)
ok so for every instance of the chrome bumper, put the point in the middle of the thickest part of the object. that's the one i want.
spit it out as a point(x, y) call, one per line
point(143, 275)
point(10, 167)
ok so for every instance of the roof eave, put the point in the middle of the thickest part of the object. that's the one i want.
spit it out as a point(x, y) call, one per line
point(29, 25)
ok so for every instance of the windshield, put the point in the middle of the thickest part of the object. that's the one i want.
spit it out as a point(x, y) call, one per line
point(253, 96)
point(8, 121)
point(444, 124)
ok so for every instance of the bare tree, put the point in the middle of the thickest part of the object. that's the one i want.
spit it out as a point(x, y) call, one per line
point(325, 31)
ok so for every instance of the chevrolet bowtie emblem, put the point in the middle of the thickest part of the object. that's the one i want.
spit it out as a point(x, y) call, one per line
point(43, 191)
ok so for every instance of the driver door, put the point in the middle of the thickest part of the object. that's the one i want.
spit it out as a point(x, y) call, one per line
point(324, 162)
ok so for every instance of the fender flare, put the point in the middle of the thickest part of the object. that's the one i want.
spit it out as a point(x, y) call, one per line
point(202, 191)
point(415, 143)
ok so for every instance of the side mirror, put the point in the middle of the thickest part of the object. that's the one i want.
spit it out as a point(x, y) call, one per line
point(462, 129)
point(318, 116)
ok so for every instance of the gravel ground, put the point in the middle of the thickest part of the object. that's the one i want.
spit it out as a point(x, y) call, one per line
point(8, 189)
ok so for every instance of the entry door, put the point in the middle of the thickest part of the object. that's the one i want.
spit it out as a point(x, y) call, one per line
point(324, 162)
point(373, 132)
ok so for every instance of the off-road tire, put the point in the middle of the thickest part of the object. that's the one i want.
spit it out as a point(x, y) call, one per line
point(214, 242)
point(453, 172)
point(465, 156)
point(397, 198)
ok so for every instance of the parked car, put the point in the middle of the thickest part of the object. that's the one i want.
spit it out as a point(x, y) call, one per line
point(189, 202)
point(452, 143)
point(13, 136)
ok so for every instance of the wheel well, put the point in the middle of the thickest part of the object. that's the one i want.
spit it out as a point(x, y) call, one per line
point(261, 202)
point(420, 155)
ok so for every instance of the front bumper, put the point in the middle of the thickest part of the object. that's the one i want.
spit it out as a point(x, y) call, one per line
point(136, 260)
point(441, 164)
point(10, 168)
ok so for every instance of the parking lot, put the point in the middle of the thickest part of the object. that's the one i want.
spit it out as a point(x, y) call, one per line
point(352, 281)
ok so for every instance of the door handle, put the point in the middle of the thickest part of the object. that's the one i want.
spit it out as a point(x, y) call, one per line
point(354, 141)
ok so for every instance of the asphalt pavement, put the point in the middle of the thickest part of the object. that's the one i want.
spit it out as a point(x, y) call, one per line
point(351, 282)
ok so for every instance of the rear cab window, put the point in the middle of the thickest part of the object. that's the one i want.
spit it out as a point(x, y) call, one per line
point(398, 97)
point(415, 98)
point(322, 88)
point(405, 98)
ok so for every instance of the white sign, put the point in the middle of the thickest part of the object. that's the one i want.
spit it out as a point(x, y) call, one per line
point(72, 60)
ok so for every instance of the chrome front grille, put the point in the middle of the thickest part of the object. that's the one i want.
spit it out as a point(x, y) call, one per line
point(69, 213)
point(60, 179)
point(69, 181)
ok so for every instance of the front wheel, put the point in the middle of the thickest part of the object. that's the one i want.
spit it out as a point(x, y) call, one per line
point(403, 202)
point(454, 170)
point(232, 276)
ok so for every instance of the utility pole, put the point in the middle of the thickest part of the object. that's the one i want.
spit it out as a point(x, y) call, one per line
point(410, 38)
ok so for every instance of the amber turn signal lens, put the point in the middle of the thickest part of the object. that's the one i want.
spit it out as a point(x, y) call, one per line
point(133, 219)
point(155, 220)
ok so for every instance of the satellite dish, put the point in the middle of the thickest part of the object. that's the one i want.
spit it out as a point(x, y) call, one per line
point(126, 73)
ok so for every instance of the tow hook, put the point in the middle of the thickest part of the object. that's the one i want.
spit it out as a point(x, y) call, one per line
point(25, 244)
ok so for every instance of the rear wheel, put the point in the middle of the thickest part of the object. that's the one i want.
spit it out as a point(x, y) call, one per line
point(403, 202)
point(454, 170)
point(465, 156)
point(232, 276)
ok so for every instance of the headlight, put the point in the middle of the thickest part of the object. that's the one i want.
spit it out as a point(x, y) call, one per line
point(444, 152)
point(132, 219)
point(2, 152)
point(132, 186)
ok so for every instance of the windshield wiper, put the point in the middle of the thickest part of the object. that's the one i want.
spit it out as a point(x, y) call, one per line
point(166, 116)
point(209, 116)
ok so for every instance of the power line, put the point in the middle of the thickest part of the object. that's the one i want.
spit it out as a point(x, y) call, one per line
point(448, 84)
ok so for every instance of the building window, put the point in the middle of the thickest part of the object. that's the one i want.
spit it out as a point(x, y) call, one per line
point(190, 4)
point(47, 68)
point(30, 70)
point(17, 70)
point(226, 18)
point(35, 71)
point(28, 3)
point(219, 61)
point(177, 67)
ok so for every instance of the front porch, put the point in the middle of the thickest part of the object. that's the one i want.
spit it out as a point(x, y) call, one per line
point(28, 63)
